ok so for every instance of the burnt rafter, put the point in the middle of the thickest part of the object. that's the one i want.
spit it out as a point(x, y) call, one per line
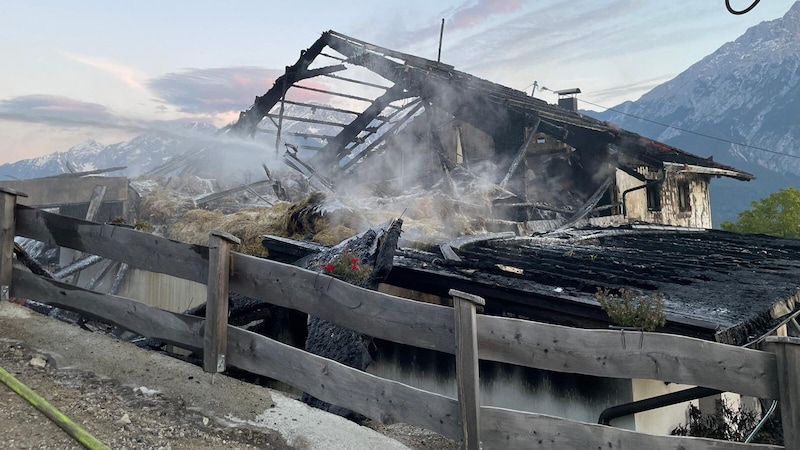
point(349, 132)
point(499, 111)
point(249, 120)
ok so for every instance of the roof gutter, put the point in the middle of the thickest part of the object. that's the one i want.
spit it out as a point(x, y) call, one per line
point(690, 168)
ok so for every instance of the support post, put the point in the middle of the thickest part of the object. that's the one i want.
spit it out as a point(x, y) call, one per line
point(787, 351)
point(467, 377)
point(8, 205)
point(523, 150)
point(215, 338)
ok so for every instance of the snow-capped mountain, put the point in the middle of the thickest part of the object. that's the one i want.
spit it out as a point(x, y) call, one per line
point(188, 148)
point(748, 91)
point(140, 154)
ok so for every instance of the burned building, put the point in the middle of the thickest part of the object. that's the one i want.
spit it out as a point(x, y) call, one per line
point(382, 115)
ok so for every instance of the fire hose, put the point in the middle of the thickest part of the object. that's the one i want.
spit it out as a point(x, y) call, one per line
point(52, 413)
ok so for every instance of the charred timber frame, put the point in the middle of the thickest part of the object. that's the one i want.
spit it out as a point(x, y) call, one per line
point(249, 120)
point(501, 112)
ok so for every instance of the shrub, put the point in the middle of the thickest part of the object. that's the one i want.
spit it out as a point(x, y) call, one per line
point(629, 308)
point(346, 266)
point(730, 424)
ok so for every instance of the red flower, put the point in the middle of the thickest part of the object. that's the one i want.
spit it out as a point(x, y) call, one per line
point(328, 267)
point(354, 264)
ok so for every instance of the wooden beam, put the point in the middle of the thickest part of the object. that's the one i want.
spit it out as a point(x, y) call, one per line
point(351, 80)
point(384, 401)
point(249, 120)
point(467, 377)
point(231, 191)
point(96, 200)
point(503, 428)
point(369, 312)
point(52, 192)
point(787, 351)
point(396, 125)
point(172, 328)
point(654, 356)
point(8, 204)
point(142, 250)
point(523, 150)
point(322, 107)
point(334, 93)
point(215, 339)
point(307, 120)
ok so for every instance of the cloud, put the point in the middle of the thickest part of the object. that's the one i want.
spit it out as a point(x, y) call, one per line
point(468, 15)
point(213, 91)
point(478, 13)
point(128, 75)
point(55, 110)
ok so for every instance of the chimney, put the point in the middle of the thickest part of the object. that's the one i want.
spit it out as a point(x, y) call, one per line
point(568, 98)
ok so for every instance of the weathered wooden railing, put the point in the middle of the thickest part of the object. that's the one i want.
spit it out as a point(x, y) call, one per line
point(656, 356)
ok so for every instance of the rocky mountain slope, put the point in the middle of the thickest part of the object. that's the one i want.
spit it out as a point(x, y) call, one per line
point(748, 91)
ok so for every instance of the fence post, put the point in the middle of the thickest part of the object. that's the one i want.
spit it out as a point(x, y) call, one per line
point(787, 352)
point(8, 205)
point(215, 337)
point(467, 376)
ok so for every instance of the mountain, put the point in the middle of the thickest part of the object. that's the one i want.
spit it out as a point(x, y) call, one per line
point(182, 148)
point(748, 91)
point(140, 154)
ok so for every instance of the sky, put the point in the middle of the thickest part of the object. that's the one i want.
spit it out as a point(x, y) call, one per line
point(78, 70)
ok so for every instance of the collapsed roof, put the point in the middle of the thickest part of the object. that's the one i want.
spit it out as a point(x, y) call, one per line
point(408, 85)
point(717, 285)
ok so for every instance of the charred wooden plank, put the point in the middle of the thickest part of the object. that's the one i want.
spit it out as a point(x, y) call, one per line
point(139, 249)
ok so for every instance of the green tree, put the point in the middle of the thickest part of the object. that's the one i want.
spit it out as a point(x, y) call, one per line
point(778, 215)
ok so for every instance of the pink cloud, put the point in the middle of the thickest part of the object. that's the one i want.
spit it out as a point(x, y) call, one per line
point(470, 16)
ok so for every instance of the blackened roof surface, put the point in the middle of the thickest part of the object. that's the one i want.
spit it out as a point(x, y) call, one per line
point(717, 278)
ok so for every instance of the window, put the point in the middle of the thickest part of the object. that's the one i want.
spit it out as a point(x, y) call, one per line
point(653, 196)
point(540, 140)
point(684, 196)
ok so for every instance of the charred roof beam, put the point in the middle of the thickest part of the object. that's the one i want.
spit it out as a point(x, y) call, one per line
point(335, 149)
point(249, 120)
point(395, 126)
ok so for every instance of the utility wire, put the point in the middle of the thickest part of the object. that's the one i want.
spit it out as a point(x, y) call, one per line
point(692, 132)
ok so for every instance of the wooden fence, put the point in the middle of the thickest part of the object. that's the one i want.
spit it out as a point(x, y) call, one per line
point(764, 374)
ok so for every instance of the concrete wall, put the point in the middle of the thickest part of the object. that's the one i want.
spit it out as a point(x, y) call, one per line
point(659, 421)
point(635, 201)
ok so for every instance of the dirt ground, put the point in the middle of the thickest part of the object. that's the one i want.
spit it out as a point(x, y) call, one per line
point(134, 399)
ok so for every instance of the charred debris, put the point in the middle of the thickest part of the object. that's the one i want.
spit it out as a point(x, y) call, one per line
point(516, 161)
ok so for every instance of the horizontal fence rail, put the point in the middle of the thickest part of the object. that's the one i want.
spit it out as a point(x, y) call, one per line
point(603, 353)
point(138, 249)
point(628, 354)
point(383, 400)
point(504, 428)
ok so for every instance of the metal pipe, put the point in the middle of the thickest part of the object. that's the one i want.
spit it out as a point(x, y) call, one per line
point(660, 401)
point(649, 183)
point(762, 422)
point(441, 35)
point(80, 264)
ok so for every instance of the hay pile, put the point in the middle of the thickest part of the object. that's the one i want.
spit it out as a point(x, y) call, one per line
point(248, 225)
point(314, 218)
